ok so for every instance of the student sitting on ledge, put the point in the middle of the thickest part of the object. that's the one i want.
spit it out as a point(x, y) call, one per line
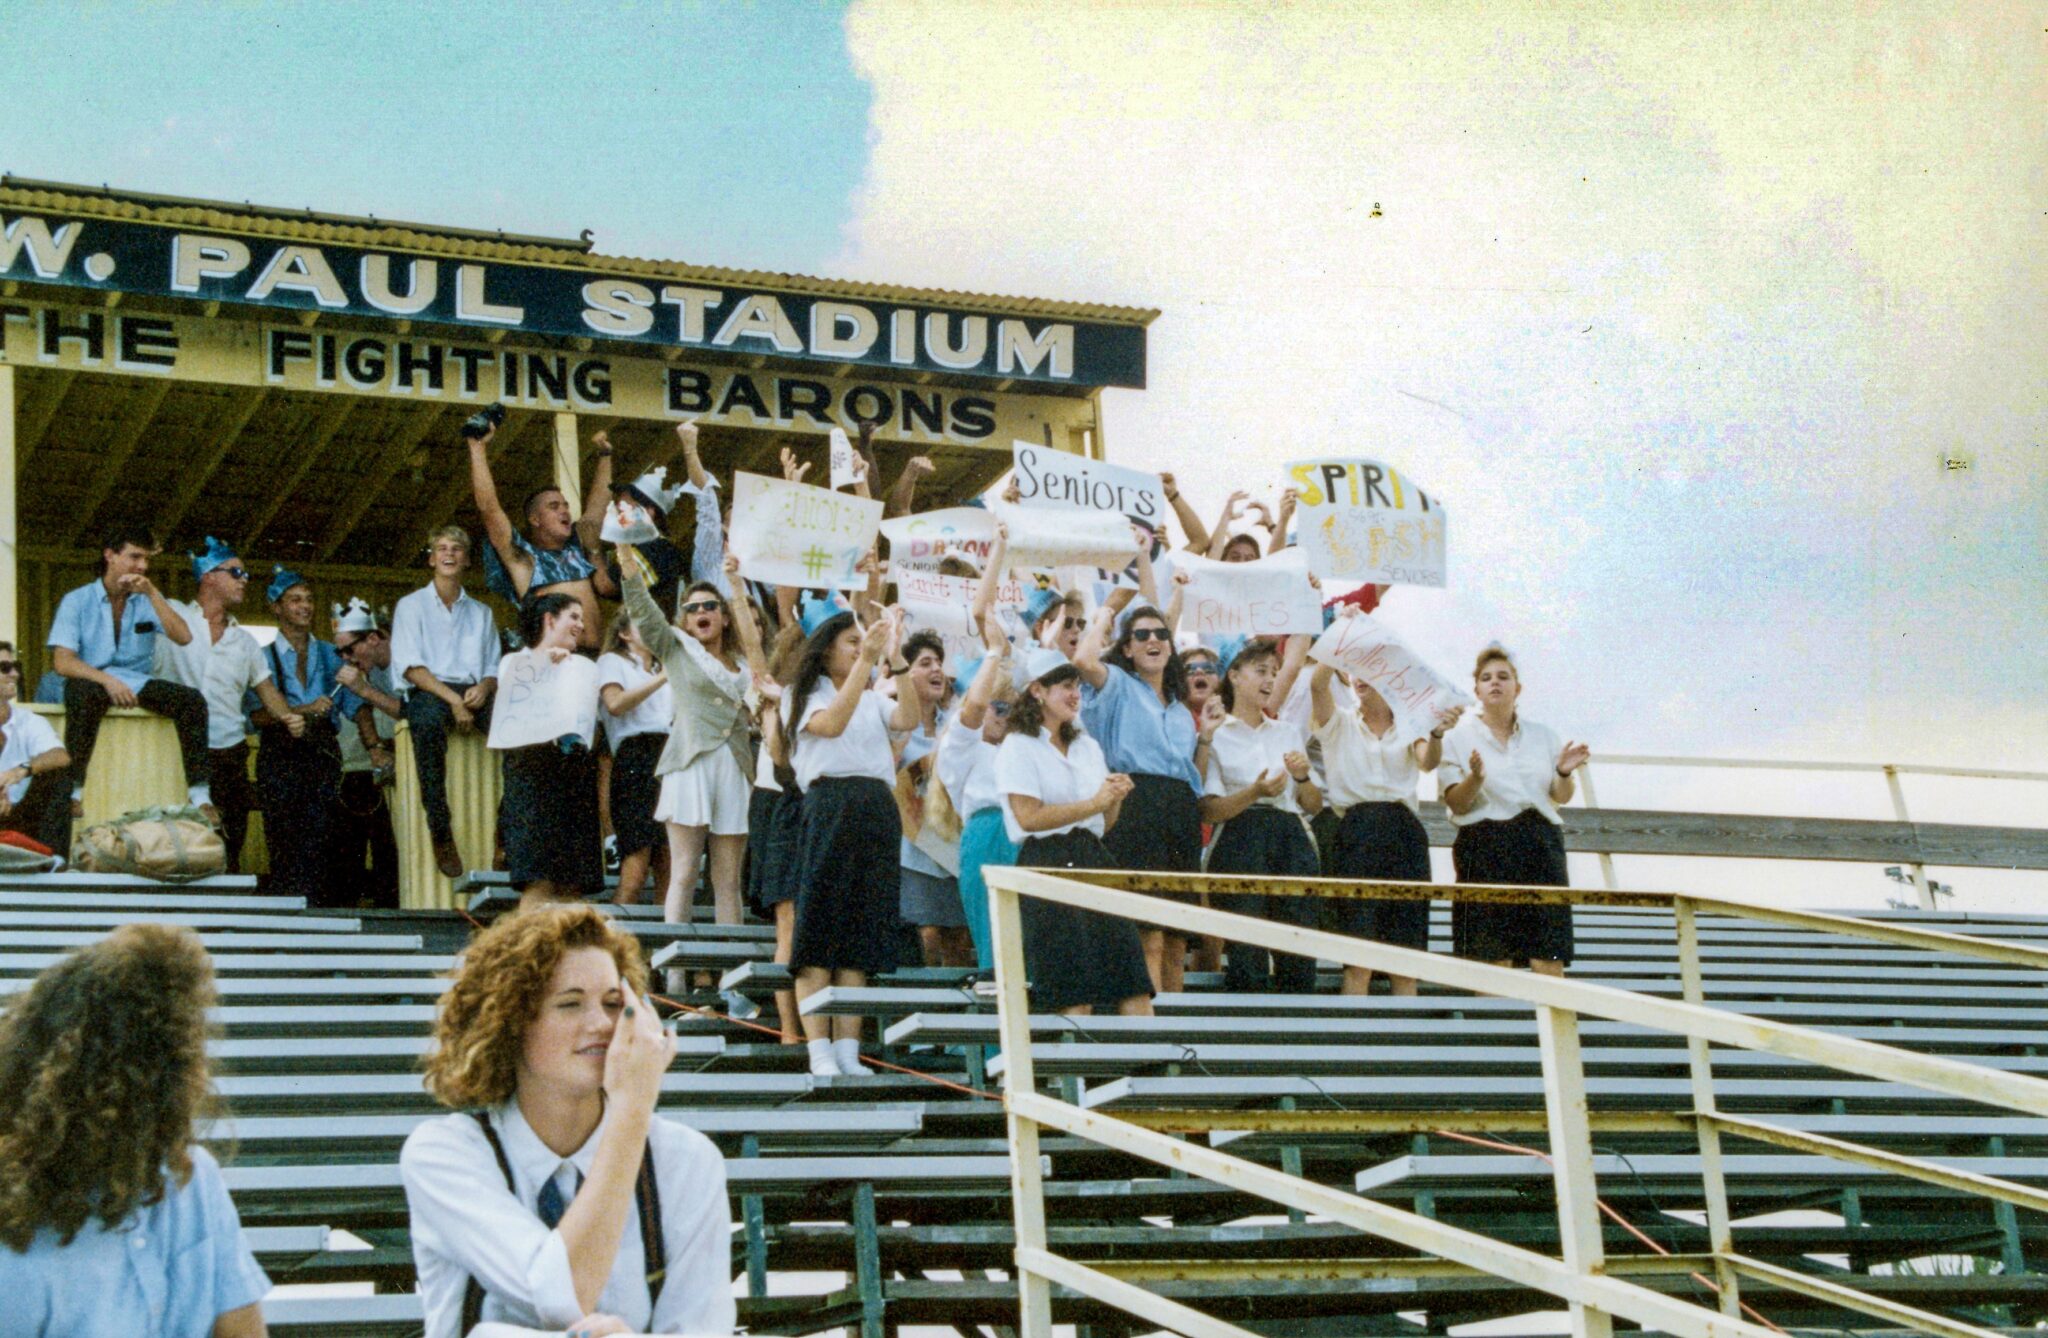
point(558, 1200)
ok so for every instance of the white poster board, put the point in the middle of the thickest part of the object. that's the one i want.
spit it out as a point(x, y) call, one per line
point(1049, 478)
point(918, 542)
point(626, 521)
point(1048, 538)
point(1270, 597)
point(797, 535)
point(843, 474)
point(945, 604)
point(1367, 650)
point(540, 699)
point(1361, 520)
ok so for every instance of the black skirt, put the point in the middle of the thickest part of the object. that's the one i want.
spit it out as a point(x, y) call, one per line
point(1529, 849)
point(547, 818)
point(1383, 843)
point(1076, 956)
point(1158, 828)
point(1269, 841)
point(775, 824)
point(635, 788)
point(847, 875)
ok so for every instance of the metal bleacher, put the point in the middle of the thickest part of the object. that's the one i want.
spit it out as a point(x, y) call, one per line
point(903, 1187)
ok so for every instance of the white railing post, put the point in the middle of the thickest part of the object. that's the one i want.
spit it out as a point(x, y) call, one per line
point(1720, 1228)
point(1027, 1179)
point(1920, 887)
point(1571, 1152)
point(1592, 801)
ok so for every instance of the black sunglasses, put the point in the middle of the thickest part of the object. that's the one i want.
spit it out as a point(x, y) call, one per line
point(1199, 667)
point(701, 606)
point(1075, 624)
point(1001, 709)
point(10, 666)
point(1150, 634)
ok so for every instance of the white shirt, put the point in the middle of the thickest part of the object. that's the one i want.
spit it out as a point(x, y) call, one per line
point(1360, 767)
point(466, 1223)
point(1519, 774)
point(222, 671)
point(455, 645)
point(25, 737)
point(967, 768)
point(354, 756)
point(1028, 764)
point(862, 748)
point(1238, 753)
point(651, 716)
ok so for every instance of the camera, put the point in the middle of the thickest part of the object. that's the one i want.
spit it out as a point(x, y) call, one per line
point(483, 422)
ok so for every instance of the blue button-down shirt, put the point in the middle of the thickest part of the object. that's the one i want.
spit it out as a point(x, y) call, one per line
point(323, 662)
point(168, 1270)
point(1140, 734)
point(84, 625)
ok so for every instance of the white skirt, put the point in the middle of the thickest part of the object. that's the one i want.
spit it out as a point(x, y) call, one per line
point(710, 792)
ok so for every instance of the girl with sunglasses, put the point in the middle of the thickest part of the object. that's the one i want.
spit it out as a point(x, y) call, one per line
point(967, 770)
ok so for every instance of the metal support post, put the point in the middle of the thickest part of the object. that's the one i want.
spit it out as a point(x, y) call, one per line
point(1920, 888)
point(1571, 1151)
point(1720, 1227)
point(867, 1261)
point(1027, 1179)
point(754, 1217)
point(1592, 801)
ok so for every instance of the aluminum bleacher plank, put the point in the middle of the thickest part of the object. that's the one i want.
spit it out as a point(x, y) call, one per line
point(257, 964)
point(331, 1053)
point(71, 880)
point(59, 897)
point(1436, 1091)
point(1639, 1173)
point(387, 1316)
point(22, 940)
point(792, 1125)
point(300, 1019)
point(309, 987)
point(191, 919)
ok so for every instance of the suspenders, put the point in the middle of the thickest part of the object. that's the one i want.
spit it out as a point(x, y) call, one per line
point(646, 1196)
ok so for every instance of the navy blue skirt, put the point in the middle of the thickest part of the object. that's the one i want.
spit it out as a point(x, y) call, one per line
point(848, 881)
point(1527, 849)
point(1383, 843)
point(1077, 956)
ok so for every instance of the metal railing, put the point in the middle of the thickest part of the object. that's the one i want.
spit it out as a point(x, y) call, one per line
point(1595, 1288)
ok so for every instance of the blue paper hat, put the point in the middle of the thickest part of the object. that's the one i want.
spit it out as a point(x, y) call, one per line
point(1038, 603)
point(215, 554)
point(281, 580)
point(813, 612)
point(1228, 649)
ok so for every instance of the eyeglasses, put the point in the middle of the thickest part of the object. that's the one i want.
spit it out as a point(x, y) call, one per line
point(701, 606)
point(1075, 624)
point(1150, 634)
point(9, 667)
point(1200, 667)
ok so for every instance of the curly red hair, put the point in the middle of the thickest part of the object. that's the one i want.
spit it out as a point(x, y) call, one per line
point(103, 1072)
point(499, 986)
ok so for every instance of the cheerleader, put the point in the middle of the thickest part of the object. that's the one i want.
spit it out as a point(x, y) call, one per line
point(548, 812)
point(1370, 770)
point(931, 892)
point(1058, 799)
point(1503, 780)
point(1259, 788)
point(967, 770)
point(848, 878)
point(633, 689)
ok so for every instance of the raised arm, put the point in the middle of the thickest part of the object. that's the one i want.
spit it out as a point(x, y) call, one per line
point(904, 490)
point(1287, 503)
point(1323, 701)
point(1219, 538)
point(1173, 606)
point(994, 667)
point(1148, 581)
point(1184, 511)
point(660, 639)
point(598, 494)
point(1291, 660)
point(991, 577)
point(693, 465)
point(1094, 641)
point(743, 621)
point(832, 721)
point(905, 717)
point(497, 525)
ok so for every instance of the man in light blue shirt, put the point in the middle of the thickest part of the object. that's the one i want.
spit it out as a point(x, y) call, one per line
point(298, 771)
point(103, 641)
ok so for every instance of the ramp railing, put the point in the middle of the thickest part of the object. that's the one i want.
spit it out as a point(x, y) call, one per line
point(1596, 1289)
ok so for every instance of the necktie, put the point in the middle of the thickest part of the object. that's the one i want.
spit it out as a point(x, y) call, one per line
point(552, 1205)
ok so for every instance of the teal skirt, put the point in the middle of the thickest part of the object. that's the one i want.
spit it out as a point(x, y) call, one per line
point(983, 841)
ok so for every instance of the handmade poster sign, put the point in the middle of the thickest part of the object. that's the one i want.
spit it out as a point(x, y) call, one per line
point(843, 473)
point(942, 604)
point(1270, 597)
point(541, 699)
point(626, 521)
point(917, 543)
point(1361, 520)
point(1048, 478)
point(1370, 653)
point(794, 534)
point(1048, 538)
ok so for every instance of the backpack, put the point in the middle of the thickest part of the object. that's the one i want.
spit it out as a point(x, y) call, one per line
point(172, 845)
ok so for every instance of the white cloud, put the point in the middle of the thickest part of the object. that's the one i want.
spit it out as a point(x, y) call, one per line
point(1703, 298)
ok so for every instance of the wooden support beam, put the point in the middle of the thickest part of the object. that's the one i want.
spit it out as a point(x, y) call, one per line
point(299, 458)
point(10, 493)
point(36, 415)
point(364, 492)
point(227, 433)
point(135, 422)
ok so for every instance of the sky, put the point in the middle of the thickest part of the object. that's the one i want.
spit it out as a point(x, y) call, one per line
point(1679, 310)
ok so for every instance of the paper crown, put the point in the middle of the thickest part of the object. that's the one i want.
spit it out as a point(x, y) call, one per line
point(215, 554)
point(354, 617)
point(281, 580)
point(814, 612)
point(964, 671)
point(1039, 603)
point(652, 488)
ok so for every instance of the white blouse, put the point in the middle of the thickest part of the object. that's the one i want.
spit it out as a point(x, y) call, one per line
point(862, 748)
point(651, 716)
point(1519, 773)
point(967, 768)
point(1239, 753)
point(1028, 764)
point(1363, 768)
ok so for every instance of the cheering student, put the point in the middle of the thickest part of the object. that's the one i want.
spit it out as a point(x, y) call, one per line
point(1050, 618)
point(848, 877)
point(368, 708)
point(298, 754)
point(1503, 780)
point(558, 1199)
point(1260, 790)
point(775, 812)
point(638, 706)
point(548, 558)
point(967, 769)
point(931, 893)
point(547, 815)
point(1059, 797)
point(1371, 771)
point(113, 1219)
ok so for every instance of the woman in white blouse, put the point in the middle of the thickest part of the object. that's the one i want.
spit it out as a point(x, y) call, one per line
point(633, 688)
point(1370, 773)
point(847, 873)
point(1259, 790)
point(1503, 780)
point(1058, 799)
point(555, 1198)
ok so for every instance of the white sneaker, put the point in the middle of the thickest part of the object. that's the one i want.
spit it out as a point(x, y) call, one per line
point(823, 1062)
point(847, 1052)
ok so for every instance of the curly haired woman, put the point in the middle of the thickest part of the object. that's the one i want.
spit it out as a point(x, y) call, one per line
point(112, 1220)
point(558, 1200)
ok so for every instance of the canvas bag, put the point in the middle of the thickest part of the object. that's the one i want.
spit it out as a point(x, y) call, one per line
point(172, 845)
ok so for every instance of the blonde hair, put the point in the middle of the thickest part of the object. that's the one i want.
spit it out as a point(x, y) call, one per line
point(454, 534)
point(1495, 651)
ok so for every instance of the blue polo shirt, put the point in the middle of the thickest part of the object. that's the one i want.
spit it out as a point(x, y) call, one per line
point(1140, 734)
point(323, 662)
point(84, 625)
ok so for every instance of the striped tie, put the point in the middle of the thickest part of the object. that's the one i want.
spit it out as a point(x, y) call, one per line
point(552, 1205)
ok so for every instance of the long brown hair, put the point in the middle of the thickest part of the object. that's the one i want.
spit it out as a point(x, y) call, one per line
point(103, 1073)
point(1027, 713)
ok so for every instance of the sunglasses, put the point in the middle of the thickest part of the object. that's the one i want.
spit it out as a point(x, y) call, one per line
point(239, 573)
point(1151, 634)
point(10, 667)
point(1001, 709)
point(1075, 624)
point(701, 606)
point(1200, 667)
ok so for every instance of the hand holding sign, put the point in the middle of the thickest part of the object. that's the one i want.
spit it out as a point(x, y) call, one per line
point(542, 698)
point(1376, 658)
point(843, 473)
point(1269, 597)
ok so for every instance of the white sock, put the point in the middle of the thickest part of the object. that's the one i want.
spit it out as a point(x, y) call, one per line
point(823, 1065)
point(78, 793)
point(846, 1050)
point(199, 795)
